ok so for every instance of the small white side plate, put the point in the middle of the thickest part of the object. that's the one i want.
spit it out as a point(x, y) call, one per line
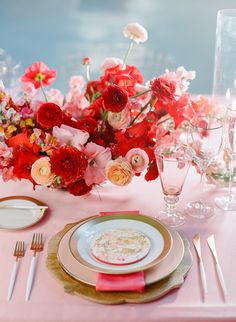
point(20, 218)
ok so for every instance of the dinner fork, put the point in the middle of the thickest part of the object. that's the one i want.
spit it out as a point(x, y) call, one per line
point(36, 246)
point(19, 252)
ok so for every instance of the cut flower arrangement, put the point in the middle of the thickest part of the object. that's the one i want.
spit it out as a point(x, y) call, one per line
point(105, 129)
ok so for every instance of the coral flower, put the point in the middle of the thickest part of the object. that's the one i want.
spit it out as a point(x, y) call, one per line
point(41, 171)
point(136, 32)
point(39, 73)
point(119, 172)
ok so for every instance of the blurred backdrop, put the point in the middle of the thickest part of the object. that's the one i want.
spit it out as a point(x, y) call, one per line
point(61, 32)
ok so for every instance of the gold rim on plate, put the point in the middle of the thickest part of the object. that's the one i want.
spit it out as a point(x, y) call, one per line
point(35, 201)
point(89, 277)
point(167, 239)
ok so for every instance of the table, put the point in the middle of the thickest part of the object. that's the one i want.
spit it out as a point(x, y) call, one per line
point(48, 301)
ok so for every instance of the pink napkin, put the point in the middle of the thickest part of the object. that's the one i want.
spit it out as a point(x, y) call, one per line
point(123, 282)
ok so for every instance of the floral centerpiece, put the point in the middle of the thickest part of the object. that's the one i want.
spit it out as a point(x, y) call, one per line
point(104, 129)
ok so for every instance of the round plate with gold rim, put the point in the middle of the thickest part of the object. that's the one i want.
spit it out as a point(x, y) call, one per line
point(84, 234)
point(17, 218)
point(152, 275)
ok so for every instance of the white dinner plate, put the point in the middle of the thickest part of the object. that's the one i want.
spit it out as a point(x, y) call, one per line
point(83, 236)
point(152, 275)
point(16, 218)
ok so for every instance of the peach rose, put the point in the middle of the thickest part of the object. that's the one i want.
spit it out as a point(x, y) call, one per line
point(41, 171)
point(119, 172)
point(138, 159)
point(119, 121)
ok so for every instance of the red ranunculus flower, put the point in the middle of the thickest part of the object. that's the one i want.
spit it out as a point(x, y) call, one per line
point(87, 124)
point(115, 98)
point(49, 115)
point(79, 188)
point(69, 163)
point(39, 73)
point(126, 78)
point(163, 88)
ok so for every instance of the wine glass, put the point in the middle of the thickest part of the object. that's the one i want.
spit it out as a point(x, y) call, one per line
point(173, 165)
point(228, 202)
point(205, 138)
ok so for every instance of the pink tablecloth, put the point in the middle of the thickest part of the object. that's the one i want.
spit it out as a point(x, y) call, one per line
point(48, 301)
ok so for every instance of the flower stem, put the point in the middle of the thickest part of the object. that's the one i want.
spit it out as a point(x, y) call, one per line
point(140, 113)
point(44, 94)
point(127, 53)
point(140, 94)
point(88, 72)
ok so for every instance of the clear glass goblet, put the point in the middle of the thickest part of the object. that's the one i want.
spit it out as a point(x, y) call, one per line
point(205, 139)
point(228, 202)
point(173, 165)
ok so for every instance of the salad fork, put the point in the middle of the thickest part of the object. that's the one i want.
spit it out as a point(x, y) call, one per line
point(36, 246)
point(19, 252)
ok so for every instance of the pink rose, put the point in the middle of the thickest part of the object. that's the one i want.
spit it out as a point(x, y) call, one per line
point(138, 159)
point(119, 121)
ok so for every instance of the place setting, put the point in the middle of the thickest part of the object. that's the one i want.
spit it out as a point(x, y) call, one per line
point(119, 258)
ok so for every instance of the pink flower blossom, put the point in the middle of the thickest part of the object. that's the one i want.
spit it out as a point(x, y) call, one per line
point(204, 105)
point(135, 32)
point(97, 156)
point(8, 174)
point(39, 73)
point(119, 121)
point(5, 155)
point(138, 159)
point(167, 87)
point(66, 135)
point(55, 96)
point(77, 83)
point(75, 104)
point(29, 89)
point(110, 62)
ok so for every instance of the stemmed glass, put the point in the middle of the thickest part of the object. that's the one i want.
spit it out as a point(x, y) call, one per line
point(205, 138)
point(173, 165)
point(228, 202)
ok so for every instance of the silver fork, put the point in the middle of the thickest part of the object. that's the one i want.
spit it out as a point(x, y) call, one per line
point(36, 246)
point(19, 252)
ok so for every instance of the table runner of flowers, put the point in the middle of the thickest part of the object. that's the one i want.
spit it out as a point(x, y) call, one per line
point(104, 129)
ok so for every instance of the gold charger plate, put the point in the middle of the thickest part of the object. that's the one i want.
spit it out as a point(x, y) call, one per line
point(159, 236)
point(151, 293)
